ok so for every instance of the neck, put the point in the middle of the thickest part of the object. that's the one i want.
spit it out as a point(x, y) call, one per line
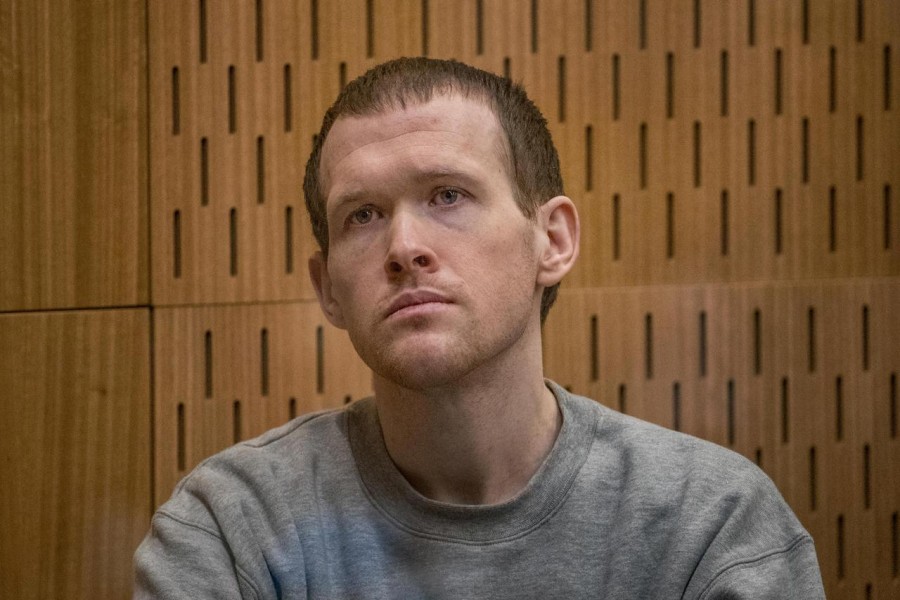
point(479, 441)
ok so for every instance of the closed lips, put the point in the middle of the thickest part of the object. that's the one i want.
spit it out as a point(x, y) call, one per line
point(413, 299)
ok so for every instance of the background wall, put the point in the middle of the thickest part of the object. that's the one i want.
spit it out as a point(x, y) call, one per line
point(735, 164)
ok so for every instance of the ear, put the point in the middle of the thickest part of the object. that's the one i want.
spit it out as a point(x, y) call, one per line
point(560, 232)
point(318, 273)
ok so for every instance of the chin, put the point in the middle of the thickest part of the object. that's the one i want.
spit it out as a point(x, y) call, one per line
point(424, 366)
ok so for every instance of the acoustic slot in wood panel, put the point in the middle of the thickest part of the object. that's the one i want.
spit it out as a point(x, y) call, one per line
point(180, 428)
point(642, 156)
point(201, 34)
point(289, 239)
point(757, 342)
point(534, 26)
point(595, 349)
point(320, 359)
point(479, 27)
point(865, 337)
point(860, 148)
point(204, 172)
point(698, 147)
point(723, 223)
point(561, 88)
point(232, 100)
point(698, 19)
point(208, 364)
point(730, 413)
point(616, 227)
point(588, 25)
point(778, 222)
point(615, 87)
point(260, 31)
point(288, 106)
point(676, 406)
point(886, 77)
point(778, 81)
point(867, 477)
point(233, 242)
point(702, 354)
point(804, 150)
point(292, 408)
point(723, 84)
point(812, 479)
point(424, 24)
point(264, 362)
point(839, 530)
point(811, 339)
point(751, 152)
point(785, 410)
point(648, 346)
point(314, 28)
point(832, 219)
point(176, 244)
point(832, 79)
point(839, 408)
point(895, 546)
point(370, 28)
point(588, 158)
point(236, 422)
point(887, 217)
point(260, 170)
point(623, 400)
point(892, 402)
point(642, 24)
point(860, 21)
point(670, 225)
point(804, 21)
point(670, 85)
point(751, 22)
point(176, 102)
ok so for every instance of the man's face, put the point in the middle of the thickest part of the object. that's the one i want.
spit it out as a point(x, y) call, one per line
point(432, 267)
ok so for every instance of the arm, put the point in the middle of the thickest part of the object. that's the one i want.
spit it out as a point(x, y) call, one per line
point(179, 559)
point(790, 573)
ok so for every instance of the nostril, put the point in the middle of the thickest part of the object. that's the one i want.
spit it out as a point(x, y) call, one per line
point(422, 261)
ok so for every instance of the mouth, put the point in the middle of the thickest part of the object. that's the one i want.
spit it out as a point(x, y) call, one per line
point(408, 302)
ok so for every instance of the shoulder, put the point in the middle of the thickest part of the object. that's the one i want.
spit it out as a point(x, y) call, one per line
point(253, 472)
point(650, 455)
point(681, 490)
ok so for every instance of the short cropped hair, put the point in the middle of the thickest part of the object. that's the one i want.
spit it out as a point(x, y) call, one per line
point(533, 161)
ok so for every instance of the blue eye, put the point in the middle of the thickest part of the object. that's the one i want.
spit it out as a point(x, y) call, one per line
point(447, 197)
point(363, 215)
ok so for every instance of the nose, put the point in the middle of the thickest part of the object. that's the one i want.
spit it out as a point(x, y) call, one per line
point(409, 247)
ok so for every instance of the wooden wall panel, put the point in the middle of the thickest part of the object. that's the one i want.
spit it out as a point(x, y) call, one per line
point(73, 154)
point(74, 451)
point(228, 373)
point(799, 377)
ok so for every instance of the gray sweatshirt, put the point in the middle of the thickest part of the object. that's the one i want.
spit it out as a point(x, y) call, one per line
point(620, 508)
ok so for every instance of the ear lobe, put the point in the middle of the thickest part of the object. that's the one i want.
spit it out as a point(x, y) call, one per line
point(318, 274)
point(562, 231)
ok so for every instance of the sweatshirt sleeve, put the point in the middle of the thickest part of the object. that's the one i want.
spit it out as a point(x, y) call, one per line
point(790, 573)
point(180, 559)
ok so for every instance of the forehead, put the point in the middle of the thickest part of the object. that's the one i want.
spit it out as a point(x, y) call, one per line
point(448, 128)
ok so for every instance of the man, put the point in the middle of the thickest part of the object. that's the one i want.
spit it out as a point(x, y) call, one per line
point(435, 195)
